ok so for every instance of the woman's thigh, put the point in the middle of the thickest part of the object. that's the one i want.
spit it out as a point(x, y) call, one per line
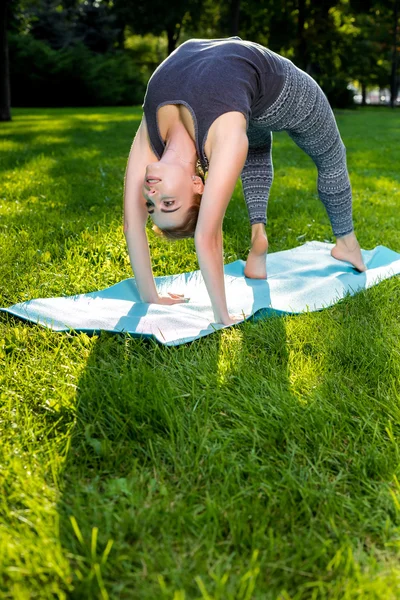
point(313, 126)
point(303, 110)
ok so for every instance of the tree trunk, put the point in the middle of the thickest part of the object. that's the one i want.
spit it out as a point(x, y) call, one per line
point(393, 79)
point(173, 36)
point(5, 111)
point(363, 94)
point(235, 14)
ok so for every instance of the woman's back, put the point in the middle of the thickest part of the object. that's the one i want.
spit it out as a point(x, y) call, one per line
point(213, 77)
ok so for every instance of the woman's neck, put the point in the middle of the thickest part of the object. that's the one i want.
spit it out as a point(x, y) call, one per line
point(179, 146)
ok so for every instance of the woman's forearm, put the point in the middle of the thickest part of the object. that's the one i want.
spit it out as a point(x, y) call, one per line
point(228, 155)
point(139, 254)
point(135, 215)
point(210, 258)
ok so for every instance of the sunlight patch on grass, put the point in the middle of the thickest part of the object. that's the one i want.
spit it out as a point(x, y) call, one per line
point(21, 125)
point(111, 117)
point(230, 354)
point(295, 178)
point(306, 364)
point(84, 154)
point(34, 171)
point(98, 127)
point(20, 182)
point(50, 139)
point(387, 186)
point(29, 543)
point(10, 145)
point(32, 458)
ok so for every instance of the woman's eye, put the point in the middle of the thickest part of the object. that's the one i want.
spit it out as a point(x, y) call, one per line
point(168, 202)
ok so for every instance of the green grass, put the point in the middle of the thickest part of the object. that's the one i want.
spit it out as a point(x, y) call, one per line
point(261, 462)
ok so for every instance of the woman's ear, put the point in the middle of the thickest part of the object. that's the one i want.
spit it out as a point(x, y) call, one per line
point(198, 184)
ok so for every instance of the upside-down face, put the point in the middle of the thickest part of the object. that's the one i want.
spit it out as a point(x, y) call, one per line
point(168, 189)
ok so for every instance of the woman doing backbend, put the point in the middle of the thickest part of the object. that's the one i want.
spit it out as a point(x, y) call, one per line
point(211, 107)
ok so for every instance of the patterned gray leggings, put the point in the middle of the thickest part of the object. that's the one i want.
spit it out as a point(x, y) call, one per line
point(302, 110)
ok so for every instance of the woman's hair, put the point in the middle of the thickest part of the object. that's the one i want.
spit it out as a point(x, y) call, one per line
point(188, 227)
point(185, 229)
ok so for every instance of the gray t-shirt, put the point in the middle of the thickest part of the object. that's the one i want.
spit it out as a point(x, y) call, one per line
point(210, 78)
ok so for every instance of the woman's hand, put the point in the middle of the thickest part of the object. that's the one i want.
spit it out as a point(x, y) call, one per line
point(232, 319)
point(171, 298)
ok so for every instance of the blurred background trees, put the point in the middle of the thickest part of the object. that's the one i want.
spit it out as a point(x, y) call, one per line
point(102, 52)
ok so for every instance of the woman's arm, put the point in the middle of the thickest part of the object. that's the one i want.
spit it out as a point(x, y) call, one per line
point(135, 218)
point(135, 214)
point(229, 152)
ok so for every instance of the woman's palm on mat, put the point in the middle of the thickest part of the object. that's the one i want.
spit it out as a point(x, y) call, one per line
point(171, 298)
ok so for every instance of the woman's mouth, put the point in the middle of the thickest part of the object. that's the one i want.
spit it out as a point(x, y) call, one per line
point(151, 180)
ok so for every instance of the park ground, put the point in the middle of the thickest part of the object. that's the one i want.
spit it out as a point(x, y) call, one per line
point(261, 462)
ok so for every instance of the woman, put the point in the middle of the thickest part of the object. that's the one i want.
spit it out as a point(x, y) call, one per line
point(211, 107)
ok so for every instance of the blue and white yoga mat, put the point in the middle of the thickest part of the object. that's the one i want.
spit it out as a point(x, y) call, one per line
point(305, 278)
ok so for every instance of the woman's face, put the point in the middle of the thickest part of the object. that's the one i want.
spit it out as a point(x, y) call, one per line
point(168, 190)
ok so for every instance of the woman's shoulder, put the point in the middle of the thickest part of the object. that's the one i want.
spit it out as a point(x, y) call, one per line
point(227, 129)
point(209, 41)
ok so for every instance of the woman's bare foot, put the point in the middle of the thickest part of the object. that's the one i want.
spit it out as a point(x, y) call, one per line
point(256, 264)
point(348, 249)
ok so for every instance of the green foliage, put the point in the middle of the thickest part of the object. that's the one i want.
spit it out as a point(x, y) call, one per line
point(62, 23)
point(259, 463)
point(367, 58)
point(147, 50)
point(73, 76)
point(335, 41)
point(158, 16)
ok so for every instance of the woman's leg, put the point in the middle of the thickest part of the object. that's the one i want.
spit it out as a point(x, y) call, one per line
point(304, 112)
point(257, 177)
point(258, 173)
point(256, 263)
point(318, 135)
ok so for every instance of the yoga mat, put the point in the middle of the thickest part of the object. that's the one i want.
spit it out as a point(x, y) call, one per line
point(305, 278)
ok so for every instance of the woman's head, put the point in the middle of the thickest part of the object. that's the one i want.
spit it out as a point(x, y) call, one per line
point(173, 196)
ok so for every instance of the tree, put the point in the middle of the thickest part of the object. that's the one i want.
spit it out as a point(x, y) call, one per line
point(9, 18)
point(63, 23)
point(159, 16)
point(375, 49)
point(235, 16)
point(364, 59)
point(5, 101)
point(393, 79)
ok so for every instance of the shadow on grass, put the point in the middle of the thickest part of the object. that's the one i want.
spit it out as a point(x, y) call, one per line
point(157, 441)
point(191, 458)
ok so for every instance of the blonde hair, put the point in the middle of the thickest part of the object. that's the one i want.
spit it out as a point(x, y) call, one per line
point(188, 227)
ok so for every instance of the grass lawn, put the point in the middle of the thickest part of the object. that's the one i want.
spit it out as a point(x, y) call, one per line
point(261, 462)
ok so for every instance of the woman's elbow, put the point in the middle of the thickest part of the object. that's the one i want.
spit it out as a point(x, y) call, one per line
point(207, 239)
